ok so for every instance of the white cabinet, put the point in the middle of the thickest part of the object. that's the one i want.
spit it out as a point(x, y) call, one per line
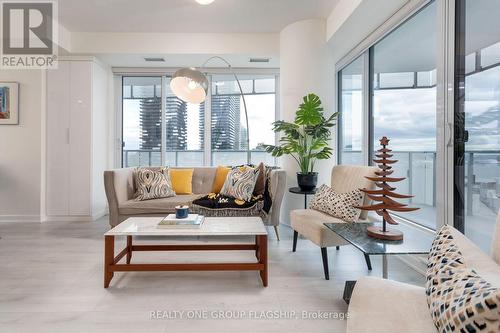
point(76, 140)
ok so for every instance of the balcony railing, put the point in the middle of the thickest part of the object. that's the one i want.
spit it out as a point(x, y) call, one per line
point(141, 157)
point(481, 175)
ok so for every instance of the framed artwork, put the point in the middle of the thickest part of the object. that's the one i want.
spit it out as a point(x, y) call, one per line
point(9, 103)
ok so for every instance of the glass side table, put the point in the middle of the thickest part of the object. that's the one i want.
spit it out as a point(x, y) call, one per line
point(415, 241)
point(297, 190)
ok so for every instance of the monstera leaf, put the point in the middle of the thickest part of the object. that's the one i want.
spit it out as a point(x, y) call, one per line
point(310, 111)
point(307, 138)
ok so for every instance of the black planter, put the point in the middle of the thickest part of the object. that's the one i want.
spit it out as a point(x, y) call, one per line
point(307, 181)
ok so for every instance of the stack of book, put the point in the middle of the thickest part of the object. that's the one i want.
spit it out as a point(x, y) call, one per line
point(192, 221)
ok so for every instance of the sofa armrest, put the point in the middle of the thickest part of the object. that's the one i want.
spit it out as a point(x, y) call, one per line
point(277, 190)
point(119, 187)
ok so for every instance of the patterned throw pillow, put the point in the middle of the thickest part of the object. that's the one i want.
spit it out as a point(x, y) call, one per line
point(458, 298)
point(240, 183)
point(152, 183)
point(339, 205)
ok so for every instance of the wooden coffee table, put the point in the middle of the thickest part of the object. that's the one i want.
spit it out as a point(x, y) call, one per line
point(212, 226)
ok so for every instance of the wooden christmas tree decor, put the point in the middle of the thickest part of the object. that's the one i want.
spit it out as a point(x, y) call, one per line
point(382, 197)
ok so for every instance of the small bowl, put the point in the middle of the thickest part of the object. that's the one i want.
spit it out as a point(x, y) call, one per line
point(181, 212)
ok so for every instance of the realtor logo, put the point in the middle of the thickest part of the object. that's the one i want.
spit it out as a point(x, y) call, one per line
point(28, 34)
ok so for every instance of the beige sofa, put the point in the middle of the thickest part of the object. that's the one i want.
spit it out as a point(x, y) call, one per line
point(379, 305)
point(120, 189)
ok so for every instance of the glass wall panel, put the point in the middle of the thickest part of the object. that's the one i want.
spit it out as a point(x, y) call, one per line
point(184, 130)
point(141, 121)
point(184, 136)
point(228, 125)
point(404, 108)
point(477, 149)
point(351, 113)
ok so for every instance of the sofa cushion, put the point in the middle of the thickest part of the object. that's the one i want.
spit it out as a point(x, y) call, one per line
point(309, 223)
point(475, 258)
point(220, 178)
point(240, 183)
point(164, 205)
point(462, 301)
point(339, 205)
point(260, 183)
point(152, 184)
point(459, 299)
point(385, 306)
point(182, 180)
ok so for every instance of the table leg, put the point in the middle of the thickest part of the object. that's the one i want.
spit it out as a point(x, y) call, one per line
point(384, 266)
point(129, 249)
point(257, 247)
point(109, 257)
point(305, 201)
point(263, 258)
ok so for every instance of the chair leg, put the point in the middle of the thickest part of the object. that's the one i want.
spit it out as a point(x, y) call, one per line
point(324, 255)
point(295, 235)
point(368, 262)
point(337, 248)
point(276, 232)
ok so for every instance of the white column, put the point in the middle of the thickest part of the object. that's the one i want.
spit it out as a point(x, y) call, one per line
point(305, 67)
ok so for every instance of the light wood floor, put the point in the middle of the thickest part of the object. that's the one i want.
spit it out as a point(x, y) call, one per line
point(51, 280)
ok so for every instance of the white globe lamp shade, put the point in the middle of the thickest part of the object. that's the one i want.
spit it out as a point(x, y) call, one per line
point(190, 85)
point(205, 2)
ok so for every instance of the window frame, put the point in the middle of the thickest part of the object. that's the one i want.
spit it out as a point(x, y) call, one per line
point(163, 73)
point(443, 192)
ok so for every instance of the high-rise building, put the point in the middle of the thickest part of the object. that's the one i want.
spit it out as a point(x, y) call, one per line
point(226, 122)
point(175, 123)
point(150, 120)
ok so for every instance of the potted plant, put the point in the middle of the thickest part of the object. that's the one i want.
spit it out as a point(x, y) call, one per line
point(306, 139)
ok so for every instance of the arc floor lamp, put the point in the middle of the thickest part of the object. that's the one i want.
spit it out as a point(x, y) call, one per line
point(191, 85)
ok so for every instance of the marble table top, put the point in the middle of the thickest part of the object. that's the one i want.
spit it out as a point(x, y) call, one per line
point(415, 240)
point(212, 226)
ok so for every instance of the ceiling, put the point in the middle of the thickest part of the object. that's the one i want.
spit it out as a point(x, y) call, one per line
point(222, 16)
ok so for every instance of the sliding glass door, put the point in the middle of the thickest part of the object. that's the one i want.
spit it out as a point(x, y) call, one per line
point(404, 108)
point(477, 118)
point(351, 80)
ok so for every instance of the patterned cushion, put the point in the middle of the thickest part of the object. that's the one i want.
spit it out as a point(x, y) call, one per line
point(339, 205)
point(152, 183)
point(458, 298)
point(260, 184)
point(240, 183)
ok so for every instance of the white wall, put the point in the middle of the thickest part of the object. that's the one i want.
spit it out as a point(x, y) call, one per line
point(305, 67)
point(20, 151)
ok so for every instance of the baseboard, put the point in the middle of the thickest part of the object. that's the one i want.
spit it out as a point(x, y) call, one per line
point(75, 218)
point(20, 218)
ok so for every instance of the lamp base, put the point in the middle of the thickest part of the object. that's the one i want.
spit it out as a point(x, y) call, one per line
point(389, 234)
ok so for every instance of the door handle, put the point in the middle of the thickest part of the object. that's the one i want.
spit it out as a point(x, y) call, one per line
point(450, 139)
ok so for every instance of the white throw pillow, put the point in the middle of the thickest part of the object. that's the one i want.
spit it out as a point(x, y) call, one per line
point(459, 299)
point(152, 183)
point(240, 182)
point(339, 205)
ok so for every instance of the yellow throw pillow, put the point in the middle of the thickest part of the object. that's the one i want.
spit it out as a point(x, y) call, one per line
point(220, 178)
point(182, 180)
